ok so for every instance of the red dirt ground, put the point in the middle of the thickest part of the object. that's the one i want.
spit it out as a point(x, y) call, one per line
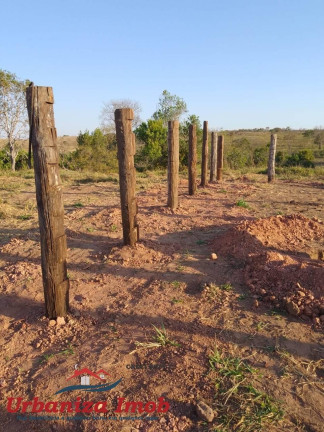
point(267, 262)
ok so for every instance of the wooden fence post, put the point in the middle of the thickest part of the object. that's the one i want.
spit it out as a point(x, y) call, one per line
point(127, 181)
point(40, 102)
point(213, 157)
point(220, 156)
point(192, 159)
point(272, 158)
point(173, 164)
point(204, 156)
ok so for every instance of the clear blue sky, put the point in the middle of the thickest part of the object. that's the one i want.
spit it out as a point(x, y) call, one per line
point(237, 64)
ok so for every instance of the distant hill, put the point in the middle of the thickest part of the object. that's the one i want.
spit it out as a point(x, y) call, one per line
point(66, 143)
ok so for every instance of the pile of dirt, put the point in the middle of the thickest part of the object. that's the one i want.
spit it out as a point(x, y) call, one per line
point(141, 254)
point(281, 264)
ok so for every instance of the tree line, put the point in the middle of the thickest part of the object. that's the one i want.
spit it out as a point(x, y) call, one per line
point(97, 150)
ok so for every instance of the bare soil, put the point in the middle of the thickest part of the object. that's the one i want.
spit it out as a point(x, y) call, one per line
point(261, 300)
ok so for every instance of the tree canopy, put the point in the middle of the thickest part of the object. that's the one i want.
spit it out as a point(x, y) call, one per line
point(170, 107)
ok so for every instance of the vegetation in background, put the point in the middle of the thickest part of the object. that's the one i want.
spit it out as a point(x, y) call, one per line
point(21, 161)
point(302, 158)
point(184, 137)
point(241, 154)
point(170, 107)
point(95, 152)
point(153, 151)
point(13, 113)
point(107, 115)
point(152, 136)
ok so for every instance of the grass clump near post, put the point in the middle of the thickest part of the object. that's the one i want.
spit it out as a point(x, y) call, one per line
point(241, 407)
point(160, 339)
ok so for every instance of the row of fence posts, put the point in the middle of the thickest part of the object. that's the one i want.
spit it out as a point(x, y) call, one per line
point(126, 151)
point(49, 196)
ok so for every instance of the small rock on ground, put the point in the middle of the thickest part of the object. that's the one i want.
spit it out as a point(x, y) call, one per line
point(205, 412)
point(60, 320)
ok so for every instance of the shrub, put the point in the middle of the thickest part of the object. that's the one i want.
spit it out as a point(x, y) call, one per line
point(92, 154)
point(240, 155)
point(21, 159)
point(302, 158)
point(280, 158)
point(260, 156)
point(4, 159)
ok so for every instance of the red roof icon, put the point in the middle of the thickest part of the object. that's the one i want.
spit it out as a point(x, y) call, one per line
point(102, 371)
point(88, 372)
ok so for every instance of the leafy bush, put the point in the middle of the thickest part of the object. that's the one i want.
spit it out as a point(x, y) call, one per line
point(302, 158)
point(4, 159)
point(240, 155)
point(21, 159)
point(280, 158)
point(92, 153)
point(260, 156)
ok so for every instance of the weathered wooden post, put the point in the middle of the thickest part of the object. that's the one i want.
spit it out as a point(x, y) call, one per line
point(40, 102)
point(173, 164)
point(127, 182)
point(272, 158)
point(220, 156)
point(204, 156)
point(213, 157)
point(192, 159)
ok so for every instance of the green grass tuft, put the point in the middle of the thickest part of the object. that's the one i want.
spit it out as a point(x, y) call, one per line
point(241, 407)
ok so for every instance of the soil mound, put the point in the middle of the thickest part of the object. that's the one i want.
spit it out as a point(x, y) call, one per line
point(280, 254)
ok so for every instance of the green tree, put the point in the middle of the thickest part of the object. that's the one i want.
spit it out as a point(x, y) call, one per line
point(154, 152)
point(13, 113)
point(170, 107)
point(192, 119)
point(184, 138)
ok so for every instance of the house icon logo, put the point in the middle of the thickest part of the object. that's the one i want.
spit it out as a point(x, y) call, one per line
point(85, 376)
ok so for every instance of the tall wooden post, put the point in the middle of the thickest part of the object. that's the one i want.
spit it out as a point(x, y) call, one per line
point(127, 182)
point(272, 158)
point(204, 156)
point(173, 164)
point(220, 156)
point(192, 159)
point(40, 102)
point(213, 157)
